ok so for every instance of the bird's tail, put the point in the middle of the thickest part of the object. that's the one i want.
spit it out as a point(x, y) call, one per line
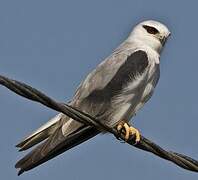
point(56, 144)
point(40, 134)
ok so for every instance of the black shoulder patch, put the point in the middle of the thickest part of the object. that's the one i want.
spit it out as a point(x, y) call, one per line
point(135, 64)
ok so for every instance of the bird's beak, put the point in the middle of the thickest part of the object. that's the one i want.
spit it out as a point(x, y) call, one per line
point(163, 39)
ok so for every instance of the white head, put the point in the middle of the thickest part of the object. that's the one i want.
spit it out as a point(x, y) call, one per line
point(151, 33)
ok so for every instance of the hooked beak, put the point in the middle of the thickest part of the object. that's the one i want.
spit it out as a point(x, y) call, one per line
point(163, 39)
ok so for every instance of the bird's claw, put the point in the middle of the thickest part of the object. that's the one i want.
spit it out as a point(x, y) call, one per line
point(128, 130)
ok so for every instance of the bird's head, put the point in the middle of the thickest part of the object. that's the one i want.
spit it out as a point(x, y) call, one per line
point(151, 33)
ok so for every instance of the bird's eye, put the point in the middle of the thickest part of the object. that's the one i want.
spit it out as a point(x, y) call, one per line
point(150, 29)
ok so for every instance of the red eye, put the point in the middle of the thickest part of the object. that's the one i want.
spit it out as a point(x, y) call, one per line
point(150, 29)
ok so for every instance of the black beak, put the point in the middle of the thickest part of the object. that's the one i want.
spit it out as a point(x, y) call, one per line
point(163, 40)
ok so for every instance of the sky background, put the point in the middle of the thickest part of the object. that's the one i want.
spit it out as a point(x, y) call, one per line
point(52, 45)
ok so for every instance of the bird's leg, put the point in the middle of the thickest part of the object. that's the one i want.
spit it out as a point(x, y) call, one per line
point(129, 130)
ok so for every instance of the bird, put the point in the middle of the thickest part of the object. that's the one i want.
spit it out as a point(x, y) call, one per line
point(112, 93)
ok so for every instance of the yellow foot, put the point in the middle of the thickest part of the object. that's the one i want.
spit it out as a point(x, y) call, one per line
point(129, 130)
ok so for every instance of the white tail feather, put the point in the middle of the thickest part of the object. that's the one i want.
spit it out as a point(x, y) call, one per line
point(40, 134)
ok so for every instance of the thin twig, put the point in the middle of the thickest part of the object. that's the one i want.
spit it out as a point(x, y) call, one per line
point(144, 144)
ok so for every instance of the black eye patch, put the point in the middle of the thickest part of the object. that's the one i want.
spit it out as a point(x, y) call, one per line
point(150, 29)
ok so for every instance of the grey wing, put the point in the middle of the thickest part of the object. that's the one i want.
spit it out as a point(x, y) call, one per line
point(91, 94)
point(101, 76)
point(108, 80)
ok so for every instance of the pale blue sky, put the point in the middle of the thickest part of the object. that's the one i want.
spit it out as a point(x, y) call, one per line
point(52, 45)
